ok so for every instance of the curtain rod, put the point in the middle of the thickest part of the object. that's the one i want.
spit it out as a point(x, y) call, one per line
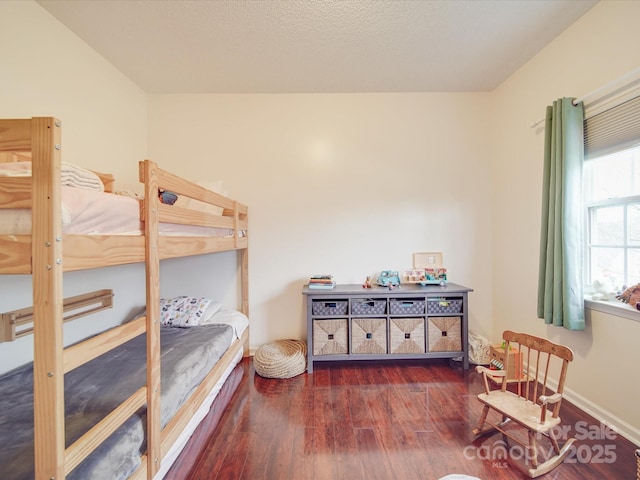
point(605, 91)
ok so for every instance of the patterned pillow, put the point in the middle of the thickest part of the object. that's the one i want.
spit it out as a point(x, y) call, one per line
point(183, 311)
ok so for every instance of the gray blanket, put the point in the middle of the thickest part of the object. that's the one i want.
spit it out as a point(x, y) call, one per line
point(96, 388)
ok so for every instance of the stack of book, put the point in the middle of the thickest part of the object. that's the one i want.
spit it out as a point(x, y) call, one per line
point(322, 282)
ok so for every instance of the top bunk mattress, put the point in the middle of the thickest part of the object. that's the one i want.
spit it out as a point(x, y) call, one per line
point(91, 212)
point(86, 209)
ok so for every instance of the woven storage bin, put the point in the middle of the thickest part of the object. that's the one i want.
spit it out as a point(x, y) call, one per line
point(330, 336)
point(445, 334)
point(367, 306)
point(406, 335)
point(409, 306)
point(329, 307)
point(368, 335)
point(444, 305)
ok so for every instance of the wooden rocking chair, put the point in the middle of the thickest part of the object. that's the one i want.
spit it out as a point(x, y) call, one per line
point(530, 403)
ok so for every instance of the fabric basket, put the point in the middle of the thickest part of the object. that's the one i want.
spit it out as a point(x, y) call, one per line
point(401, 306)
point(329, 307)
point(367, 306)
point(444, 305)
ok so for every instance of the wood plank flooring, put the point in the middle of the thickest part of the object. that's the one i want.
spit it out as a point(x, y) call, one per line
point(378, 420)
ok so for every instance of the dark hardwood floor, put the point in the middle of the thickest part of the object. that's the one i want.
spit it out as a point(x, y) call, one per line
point(364, 420)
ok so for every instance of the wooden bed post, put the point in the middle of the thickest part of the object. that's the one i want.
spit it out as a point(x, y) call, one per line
point(240, 213)
point(47, 269)
point(148, 175)
point(244, 289)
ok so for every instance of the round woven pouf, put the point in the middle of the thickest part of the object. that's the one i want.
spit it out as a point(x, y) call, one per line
point(281, 359)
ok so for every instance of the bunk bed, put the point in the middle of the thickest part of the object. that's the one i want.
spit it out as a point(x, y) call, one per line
point(49, 250)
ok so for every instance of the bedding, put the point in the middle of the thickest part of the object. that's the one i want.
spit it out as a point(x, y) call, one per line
point(216, 402)
point(185, 311)
point(89, 212)
point(71, 175)
point(238, 321)
point(92, 390)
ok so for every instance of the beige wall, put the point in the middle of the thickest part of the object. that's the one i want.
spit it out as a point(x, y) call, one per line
point(598, 48)
point(347, 184)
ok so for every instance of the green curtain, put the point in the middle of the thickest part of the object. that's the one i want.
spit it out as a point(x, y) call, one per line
point(560, 287)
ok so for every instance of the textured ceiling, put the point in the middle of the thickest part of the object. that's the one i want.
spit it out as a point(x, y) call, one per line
point(276, 46)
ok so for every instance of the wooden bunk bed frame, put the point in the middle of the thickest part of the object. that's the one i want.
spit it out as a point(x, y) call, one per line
point(47, 253)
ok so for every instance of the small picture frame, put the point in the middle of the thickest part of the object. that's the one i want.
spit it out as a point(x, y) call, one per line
point(427, 260)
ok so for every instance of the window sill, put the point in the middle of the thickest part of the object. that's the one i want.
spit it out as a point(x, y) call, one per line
point(613, 307)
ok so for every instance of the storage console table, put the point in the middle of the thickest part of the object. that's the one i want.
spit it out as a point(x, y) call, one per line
point(349, 322)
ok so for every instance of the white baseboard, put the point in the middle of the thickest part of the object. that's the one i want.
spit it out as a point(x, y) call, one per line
point(605, 417)
point(621, 427)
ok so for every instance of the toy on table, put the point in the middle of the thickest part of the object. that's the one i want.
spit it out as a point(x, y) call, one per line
point(389, 279)
point(435, 276)
point(427, 270)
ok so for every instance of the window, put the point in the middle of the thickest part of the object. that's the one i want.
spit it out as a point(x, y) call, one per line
point(612, 191)
point(612, 194)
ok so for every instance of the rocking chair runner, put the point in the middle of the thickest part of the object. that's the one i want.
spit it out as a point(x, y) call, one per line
point(533, 405)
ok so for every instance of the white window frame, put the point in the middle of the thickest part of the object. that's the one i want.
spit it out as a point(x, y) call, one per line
point(614, 307)
point(591, 210)
point(599, 101)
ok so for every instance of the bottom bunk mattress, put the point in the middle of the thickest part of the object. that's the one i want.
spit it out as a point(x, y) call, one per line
point(179, 460)
point(96, 388)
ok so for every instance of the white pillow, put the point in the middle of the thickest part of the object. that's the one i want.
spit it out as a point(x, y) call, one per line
point(212, 309)
point(236, 319)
